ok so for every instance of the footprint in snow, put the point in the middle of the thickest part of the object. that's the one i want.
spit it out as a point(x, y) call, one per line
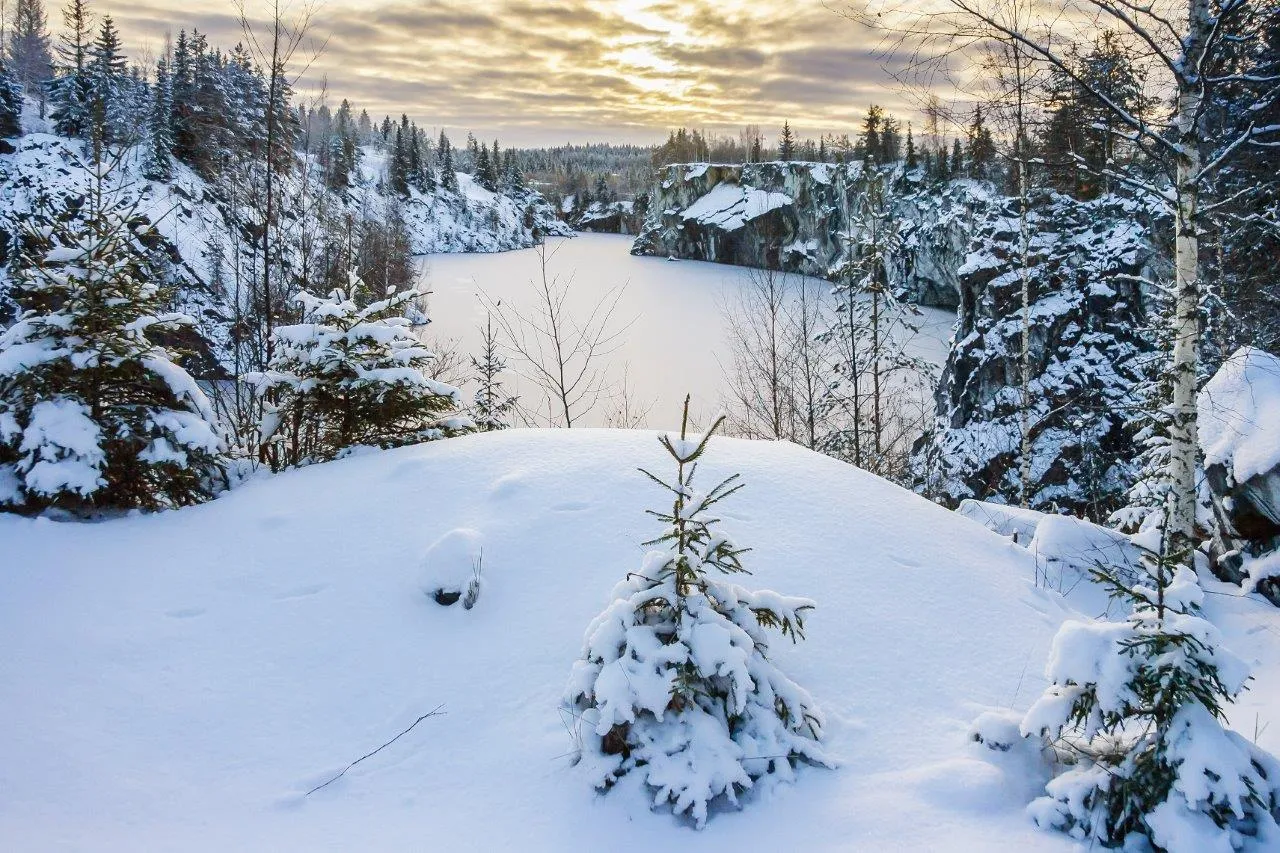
point(572, 506)
point(185, 613)
point(302, 592)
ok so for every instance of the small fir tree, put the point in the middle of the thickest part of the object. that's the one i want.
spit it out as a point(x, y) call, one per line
point(94, 415)
point(1137, 706)
point(674, 681)
point(492, 407)
point(351, 374)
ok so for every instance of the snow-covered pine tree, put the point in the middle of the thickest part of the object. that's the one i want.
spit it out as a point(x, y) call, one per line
point(158, 165)
point(352, 374)
point(71, 93)
point(108, 81)
point(674, 680)
point(492, 406)
point(444, 154)
point(95, 416)
point(1137, 707)
point(484, 169)
point(28, 47)
point(10, 103)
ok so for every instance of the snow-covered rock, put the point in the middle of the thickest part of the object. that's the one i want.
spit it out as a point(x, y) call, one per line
point(615, 217)
point(1088, 358)
point(1239, 425)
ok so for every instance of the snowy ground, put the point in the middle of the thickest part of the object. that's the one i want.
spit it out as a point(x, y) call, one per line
point(676, 343)
point(178, 681)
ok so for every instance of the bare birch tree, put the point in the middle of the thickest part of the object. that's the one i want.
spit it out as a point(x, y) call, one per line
point(563, 354)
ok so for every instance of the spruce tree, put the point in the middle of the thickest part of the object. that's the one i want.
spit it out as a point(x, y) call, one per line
point(675, 681)
point(484, 169)
point(982, 147)
point(94, 415)
point(159, 158)
point(1137, 706)
point(913, 160)
point(10, 104)
point(28, 49)
point(71, 94)
point(108, 77)
point(492, 406)
point(786, 143)
point(869, 138)
point(444, 152)
point(351, 374)
point(956, 168)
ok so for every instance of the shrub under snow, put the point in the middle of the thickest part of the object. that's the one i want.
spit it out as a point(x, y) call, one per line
point(674, 681)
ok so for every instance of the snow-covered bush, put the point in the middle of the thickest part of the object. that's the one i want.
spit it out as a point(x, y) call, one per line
point(352, 374)
point(674, 681)
point(1137, 707)
point(94, 415)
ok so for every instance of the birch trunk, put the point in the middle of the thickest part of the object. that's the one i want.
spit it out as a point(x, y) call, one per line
point(1183, 434)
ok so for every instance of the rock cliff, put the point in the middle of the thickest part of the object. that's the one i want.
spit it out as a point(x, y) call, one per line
point(794, 216)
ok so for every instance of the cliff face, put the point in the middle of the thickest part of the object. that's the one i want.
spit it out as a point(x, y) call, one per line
point(1088, 353)
point(793, 216)
point(615, 217)
point(960, 248)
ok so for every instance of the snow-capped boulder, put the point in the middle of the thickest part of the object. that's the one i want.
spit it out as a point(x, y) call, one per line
point(1239, 424)
point(452, 568)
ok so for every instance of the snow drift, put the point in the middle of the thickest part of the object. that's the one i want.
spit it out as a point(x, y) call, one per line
point(180, 680)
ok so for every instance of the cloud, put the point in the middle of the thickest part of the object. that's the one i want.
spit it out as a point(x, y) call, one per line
point(534, 72)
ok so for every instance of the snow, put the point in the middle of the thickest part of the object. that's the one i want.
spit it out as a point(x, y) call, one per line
point(61, 449)
point(199, 670)
point(730, 206)
point(1240, 414)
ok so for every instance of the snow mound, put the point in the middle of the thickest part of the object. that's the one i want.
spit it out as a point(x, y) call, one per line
point(181, 680)
point(453, 565)
point(1240, 414)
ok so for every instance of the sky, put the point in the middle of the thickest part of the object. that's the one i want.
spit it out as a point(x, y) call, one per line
point(544, 73)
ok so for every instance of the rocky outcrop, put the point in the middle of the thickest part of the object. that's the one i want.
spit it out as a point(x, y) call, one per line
point(794, 216)
point(1087, 360)
point(1239, 419)
point(615, 217)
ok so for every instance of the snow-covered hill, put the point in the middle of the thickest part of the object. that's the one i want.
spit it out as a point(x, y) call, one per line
point(198, 220)
point(180, 680)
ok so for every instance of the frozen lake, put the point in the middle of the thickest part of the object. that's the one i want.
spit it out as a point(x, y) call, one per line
point(676, 342)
